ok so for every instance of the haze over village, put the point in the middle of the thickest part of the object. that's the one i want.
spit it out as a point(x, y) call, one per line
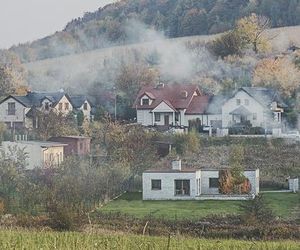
point(154, 124)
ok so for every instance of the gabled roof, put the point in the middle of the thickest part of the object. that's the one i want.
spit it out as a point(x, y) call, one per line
point(35, 99)
point(170, 93)
point(198, 105)
point(78, 100)
point(264, 96)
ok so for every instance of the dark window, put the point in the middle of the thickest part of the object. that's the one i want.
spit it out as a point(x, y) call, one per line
point(182, 187)
point(81, 145)
point(238, 102)
point(47, 106)
point(176, 117)
point(11, 108)
point(156, 184)
point(145, 101)
point(60, 106)
point(66, 106)
point(157, 117)
point(213, 182)
point(85, 106)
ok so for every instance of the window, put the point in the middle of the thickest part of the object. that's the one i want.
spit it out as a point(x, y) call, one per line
point(11, 108)
point(60, 106)
point(213, 182)
point(238, 102)
point(254, 116)
point(156, 184)
point(145, 102)
point(157, 117)
point(247, 102)
point(176, 117)
point(66, 106)
point(81, 145)
point(85, 106)
point(47, 106)
point(182, 187)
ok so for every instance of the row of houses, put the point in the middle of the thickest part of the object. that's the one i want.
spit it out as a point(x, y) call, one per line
point(21, 111)
point(178, 105)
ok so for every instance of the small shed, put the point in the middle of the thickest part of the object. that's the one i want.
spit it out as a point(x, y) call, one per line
point(77, 145)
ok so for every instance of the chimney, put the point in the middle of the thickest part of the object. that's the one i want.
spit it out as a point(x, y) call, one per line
point(160, 85)
point(176, 165)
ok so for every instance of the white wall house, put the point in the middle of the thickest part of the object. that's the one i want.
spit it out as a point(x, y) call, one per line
point(177, 105)
point(39, 154)
point(20, 111)
point(260, 107)
point(190, 184)
point(169, 105)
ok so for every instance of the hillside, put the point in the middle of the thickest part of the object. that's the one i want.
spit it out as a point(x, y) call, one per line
point(118, 23)
point(80, 71)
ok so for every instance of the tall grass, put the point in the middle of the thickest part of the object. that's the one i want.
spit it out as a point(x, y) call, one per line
point(72, 240)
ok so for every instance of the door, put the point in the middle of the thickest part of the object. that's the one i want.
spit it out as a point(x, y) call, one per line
point(167, 120)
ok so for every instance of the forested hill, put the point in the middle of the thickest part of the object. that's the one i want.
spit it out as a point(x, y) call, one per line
point(113, 24)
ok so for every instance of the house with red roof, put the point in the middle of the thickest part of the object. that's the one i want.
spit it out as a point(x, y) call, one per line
point(172, 105)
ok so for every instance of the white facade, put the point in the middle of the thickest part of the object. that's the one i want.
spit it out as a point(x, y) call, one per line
point(202, 185)
point(64, 106)
point(13, 112)
point(242, 99)
point(39, 154)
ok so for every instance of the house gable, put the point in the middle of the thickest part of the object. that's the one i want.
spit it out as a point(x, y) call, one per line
point(164, 107)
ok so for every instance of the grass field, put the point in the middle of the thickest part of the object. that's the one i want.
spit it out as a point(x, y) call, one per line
point(49, 240)
point(284, 205)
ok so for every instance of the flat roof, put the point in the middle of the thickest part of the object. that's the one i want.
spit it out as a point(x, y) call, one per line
point(39, 143)
point(72, 136)
point(187, 170)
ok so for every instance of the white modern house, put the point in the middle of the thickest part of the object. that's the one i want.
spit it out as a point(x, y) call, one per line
point(39, 154)
point(21, 111)
point(177, 183)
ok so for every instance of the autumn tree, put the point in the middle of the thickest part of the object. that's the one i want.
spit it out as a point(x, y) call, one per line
point(252, 31)
point(279, 73)
point(133, 76)
point(54, 124)
point(12, 74)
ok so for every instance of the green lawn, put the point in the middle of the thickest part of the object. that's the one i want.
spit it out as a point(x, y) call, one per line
point(283, 204)
point(71, 240)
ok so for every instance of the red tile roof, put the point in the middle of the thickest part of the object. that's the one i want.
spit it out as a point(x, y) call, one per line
point(198, 105)
point(172, 94)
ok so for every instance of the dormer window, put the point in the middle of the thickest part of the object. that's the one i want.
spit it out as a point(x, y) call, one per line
point(145, 102)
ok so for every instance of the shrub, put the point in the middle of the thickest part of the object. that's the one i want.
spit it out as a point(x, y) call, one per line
point(61, 218)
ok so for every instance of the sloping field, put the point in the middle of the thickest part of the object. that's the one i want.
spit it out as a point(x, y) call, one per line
point(67, 71)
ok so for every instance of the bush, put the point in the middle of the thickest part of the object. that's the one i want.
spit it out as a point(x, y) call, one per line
point(61, 218)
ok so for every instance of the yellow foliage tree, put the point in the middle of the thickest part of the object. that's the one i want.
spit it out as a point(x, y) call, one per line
point(251, 31)
point(280, 73)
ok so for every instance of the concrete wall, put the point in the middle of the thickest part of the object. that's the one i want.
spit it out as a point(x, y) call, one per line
point(253, 177)
point(205, 176)
point(253, 107)
point(167, 191)
point(36, 155)
point(294, 184)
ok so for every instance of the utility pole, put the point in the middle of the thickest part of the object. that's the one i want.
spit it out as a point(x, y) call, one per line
point(115, 92)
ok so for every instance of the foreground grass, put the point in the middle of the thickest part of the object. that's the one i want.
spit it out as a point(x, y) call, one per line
point(283, 205)
point(70, 240)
